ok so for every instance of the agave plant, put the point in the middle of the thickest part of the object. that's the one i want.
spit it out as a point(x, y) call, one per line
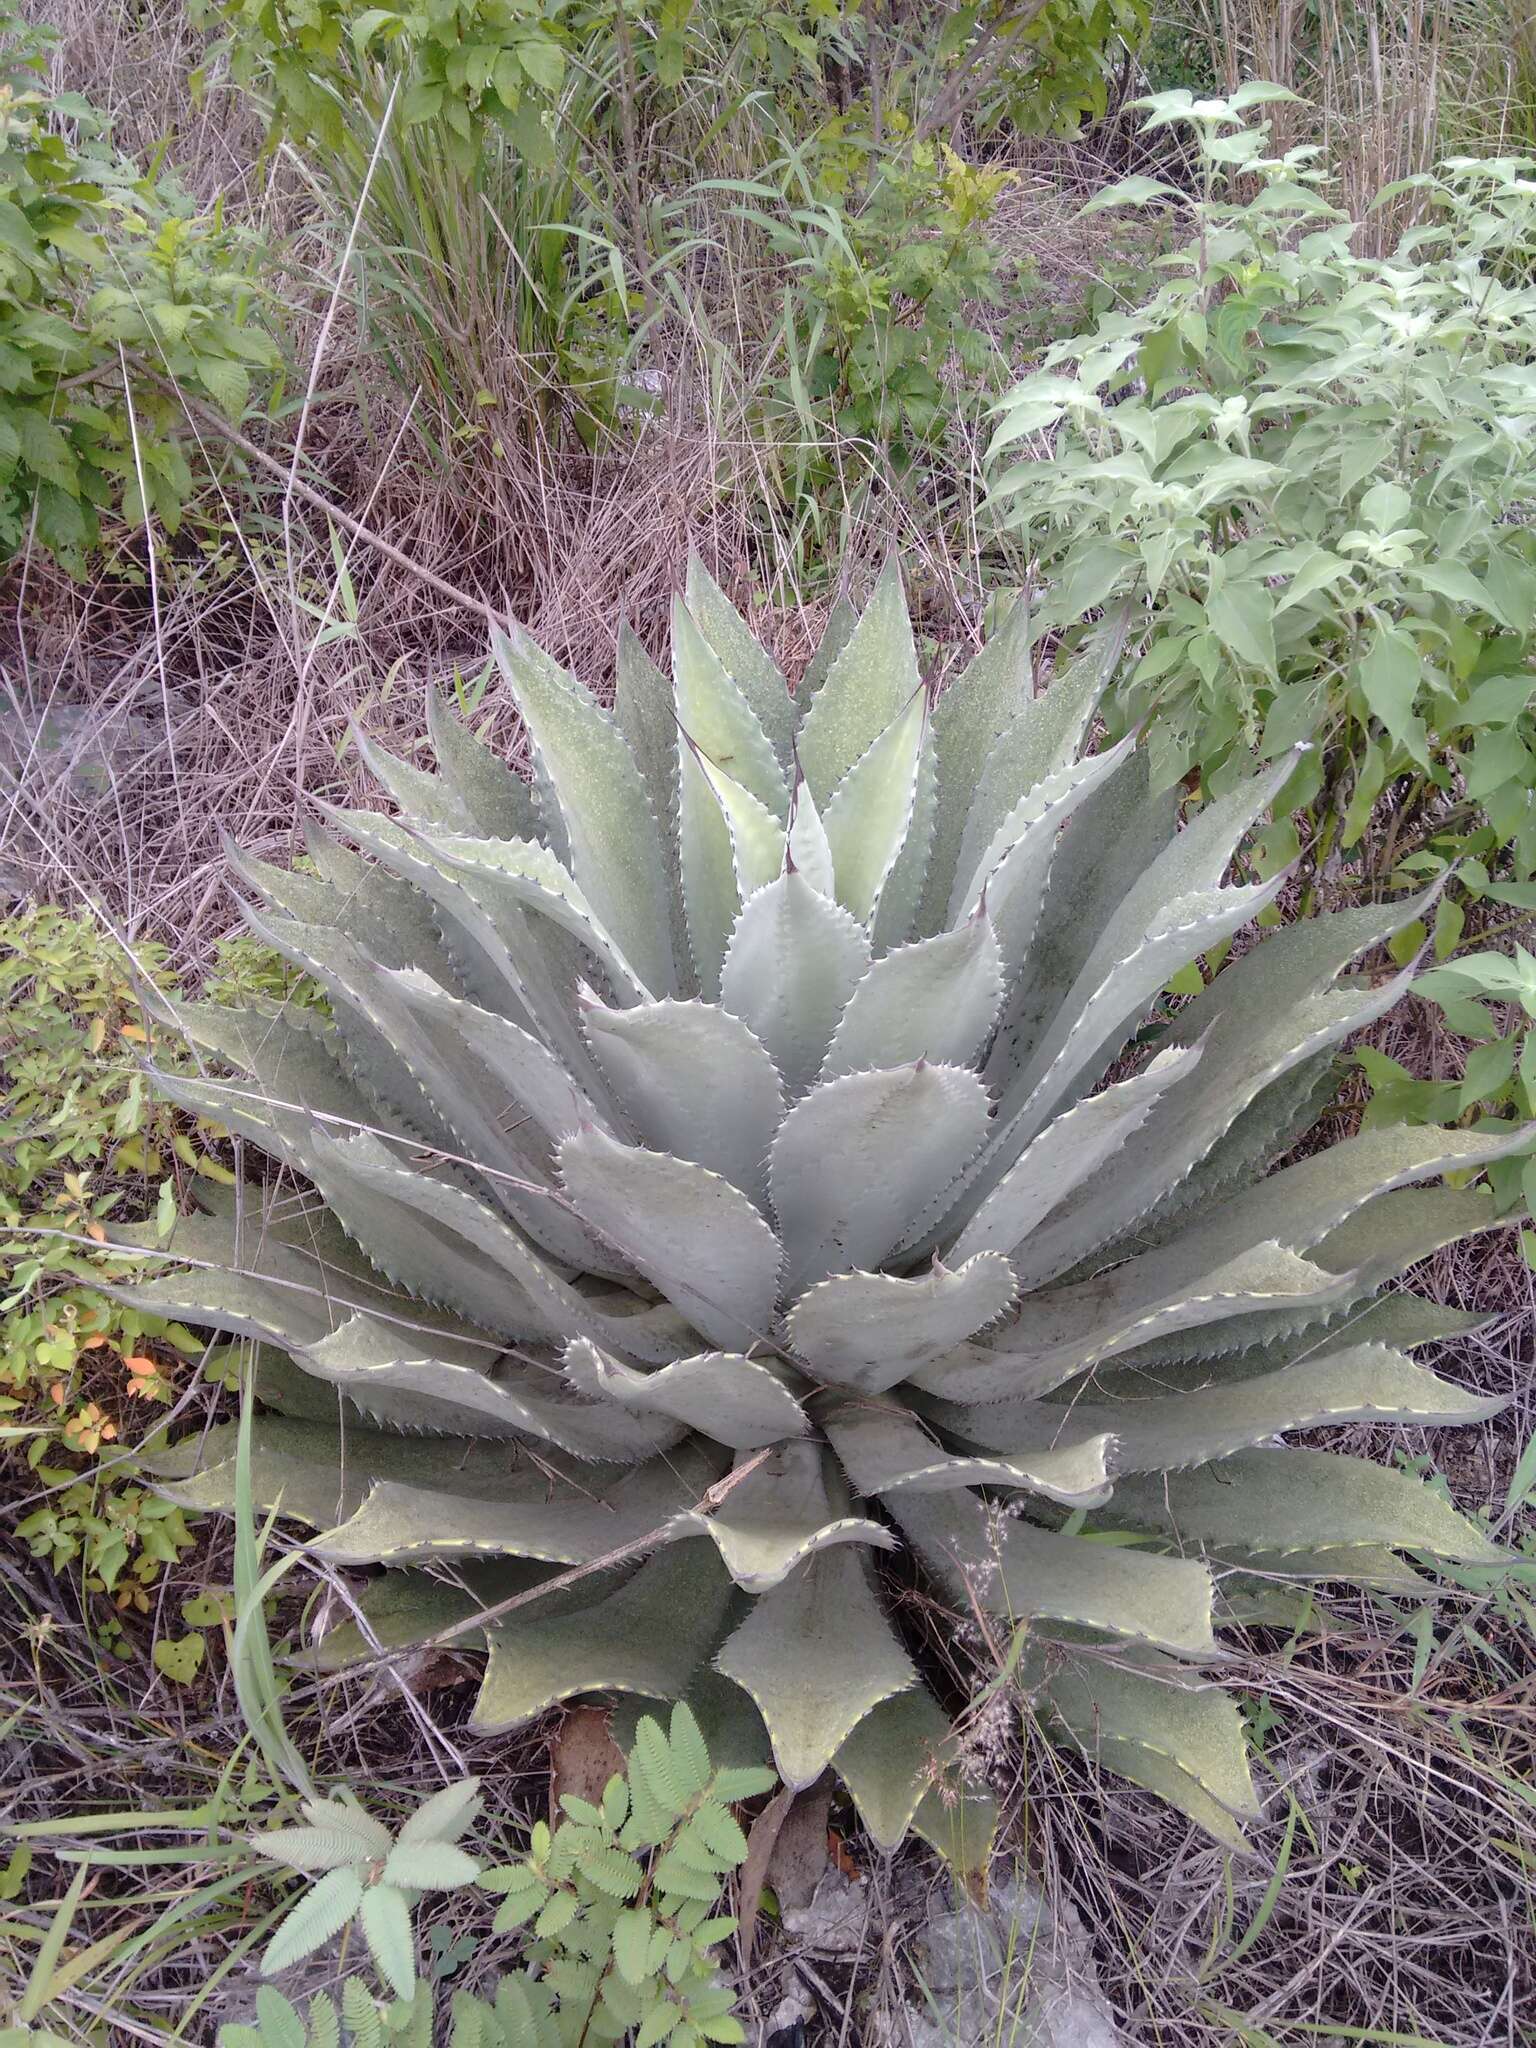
point(744, 1151)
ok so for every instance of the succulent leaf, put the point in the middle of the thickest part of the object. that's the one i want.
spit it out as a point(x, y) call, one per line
point(692, 1234)
point(735, 1400)
point(1184, 1743)
point(493, 797)
point(610, 826)
point(752, 669)
point(889, 1760)
point(855, 1160)
point(934, 1000)
point(884, 1449)
point(695, 1082)
point(652, 1636)
point(1023, 1573)
point(781, 1513)
point(760, 1142)
point(871, 1331)
point(532, 1515)
point(869, 813)
point(795, 958)
point(1040, 736)
point(816, 1653)
point(712, 710)
point(874, 675)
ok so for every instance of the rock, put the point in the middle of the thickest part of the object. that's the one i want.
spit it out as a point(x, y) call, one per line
point(789, 2018)
point(1013, 1971)
point(834, 1922)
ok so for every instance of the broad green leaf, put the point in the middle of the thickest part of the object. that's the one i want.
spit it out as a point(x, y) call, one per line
point(933, 1000)
point(1241, 614)
point(871, 1330)
point(838, 631)
point(1394, 1231)
point(865, 689)
point(497, 899)
point(1300, 1205)
point(1171, 912)
point(695, 1082)
point(808, 850)
point(449, 1068)
point(690, 1232)
point(644, 712)
point(868, 814)
point(616, 848)
point(1010, 877)
point(318, 1474)
point(707, 862)
point(1389, 676)
point(433, 1383)
point(437, 1240)
point(903, 887)
point(650, 1636)
point(1270, 1014)
point(1106, 844)
point(857, 1158)
point(960, 1822)
point(816, 1654)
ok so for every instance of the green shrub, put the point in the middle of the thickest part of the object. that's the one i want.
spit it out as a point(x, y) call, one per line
point(890, 264)
point(793, 1060)
point(1478, 992)
point(1312, 470)
point(451, 137)
point(1310, 465)
point(1059, 60)
point(473, 65)
point(623, 1899)
point(85, 1145)
point(536, 188)
point(81, 1142)
point(98, 257)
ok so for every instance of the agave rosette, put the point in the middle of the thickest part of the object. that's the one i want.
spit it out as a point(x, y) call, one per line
point(709, 1158)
